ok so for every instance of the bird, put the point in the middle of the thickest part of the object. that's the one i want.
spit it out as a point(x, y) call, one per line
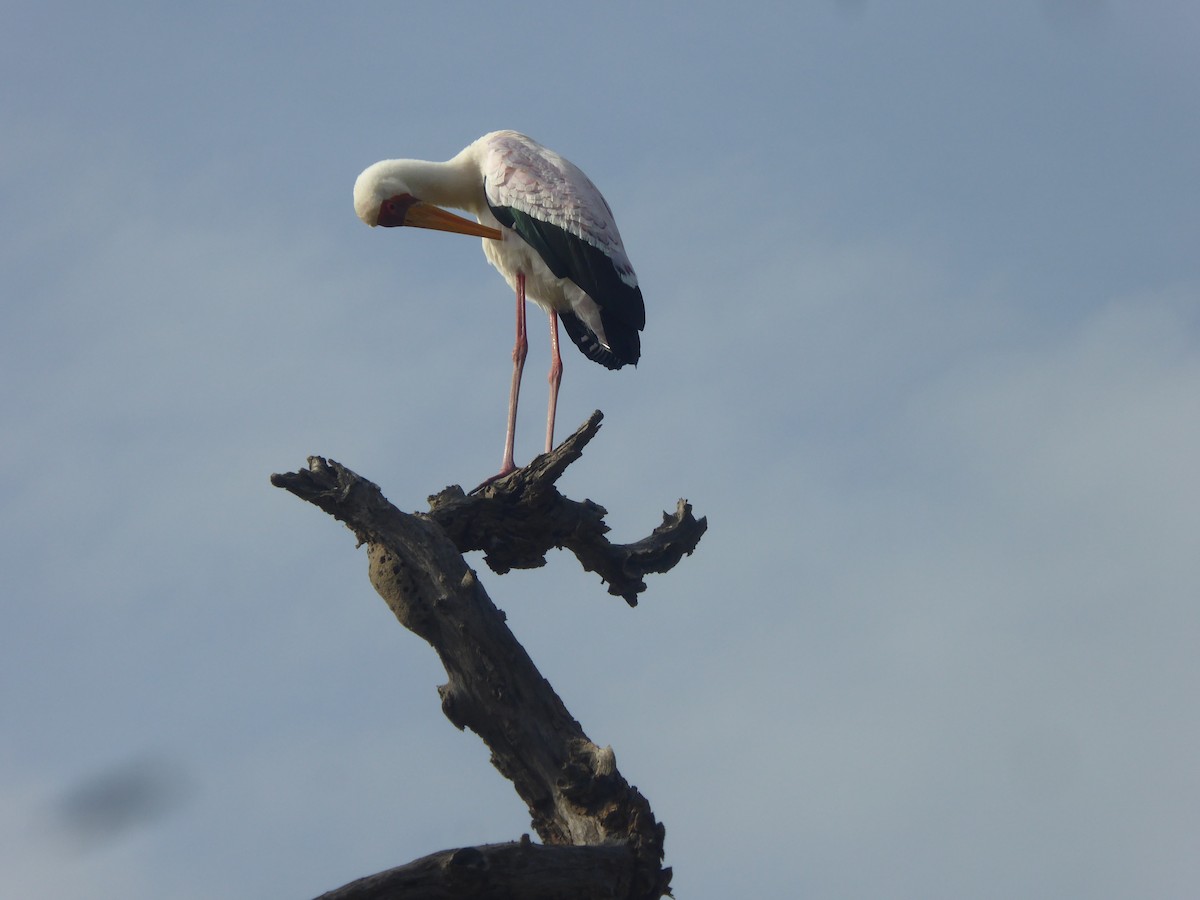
point(545, 227)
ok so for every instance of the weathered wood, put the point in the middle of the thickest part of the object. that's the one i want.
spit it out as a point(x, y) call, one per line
point(501, 870)
point(516, 519)
point(575, 794)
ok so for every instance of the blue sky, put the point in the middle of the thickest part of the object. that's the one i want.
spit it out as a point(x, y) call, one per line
point(923, 343)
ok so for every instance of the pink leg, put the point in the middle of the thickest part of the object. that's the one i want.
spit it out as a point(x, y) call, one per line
point(555, 380)
point(519, 350)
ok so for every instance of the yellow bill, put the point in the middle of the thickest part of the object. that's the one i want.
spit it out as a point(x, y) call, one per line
point(426, 215)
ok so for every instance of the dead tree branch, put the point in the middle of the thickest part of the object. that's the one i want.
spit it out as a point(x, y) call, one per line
point(502, 870)
point(516, 519)
point(577, 799)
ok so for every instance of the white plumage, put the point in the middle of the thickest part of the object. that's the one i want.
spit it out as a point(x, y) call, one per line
point(524, 175)
point(546, 228)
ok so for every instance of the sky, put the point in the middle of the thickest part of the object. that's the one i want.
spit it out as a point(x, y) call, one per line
point(922, 343)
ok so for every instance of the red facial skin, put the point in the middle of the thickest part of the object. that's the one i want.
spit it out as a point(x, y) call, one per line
point(393, 211)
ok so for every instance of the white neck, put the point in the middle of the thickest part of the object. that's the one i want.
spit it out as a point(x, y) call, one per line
point(456, 183)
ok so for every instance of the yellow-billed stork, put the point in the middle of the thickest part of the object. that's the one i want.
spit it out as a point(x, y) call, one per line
point(546, 228)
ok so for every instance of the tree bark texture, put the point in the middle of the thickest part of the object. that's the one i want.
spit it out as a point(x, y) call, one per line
point(601, 838)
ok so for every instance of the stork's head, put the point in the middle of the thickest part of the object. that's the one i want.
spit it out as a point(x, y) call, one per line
point(382, 197)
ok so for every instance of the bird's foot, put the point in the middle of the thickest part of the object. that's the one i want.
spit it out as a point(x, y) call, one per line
point(504, 472)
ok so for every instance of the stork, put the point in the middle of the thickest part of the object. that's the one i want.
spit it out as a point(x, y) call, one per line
point(545, 227)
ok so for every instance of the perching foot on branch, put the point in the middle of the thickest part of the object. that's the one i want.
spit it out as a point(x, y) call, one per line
point(517, 518)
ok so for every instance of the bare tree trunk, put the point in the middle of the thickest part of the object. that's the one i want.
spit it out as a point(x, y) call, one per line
point(600, 836)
